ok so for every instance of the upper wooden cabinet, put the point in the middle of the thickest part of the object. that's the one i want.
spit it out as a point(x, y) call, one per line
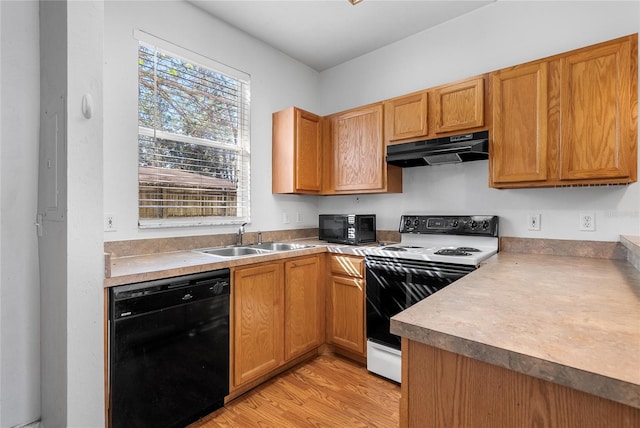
point(569, 119)
point(297, 152)
point(446, 109)
point(356, 153)
point(459, 106)
point(519, 150)
point(406, 117)
point(598, 97)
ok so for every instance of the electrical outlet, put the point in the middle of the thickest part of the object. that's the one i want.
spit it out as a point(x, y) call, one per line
point(285, 217)
point(110, 222)
point(298, 216)
point(533, 221)
point(588, 221)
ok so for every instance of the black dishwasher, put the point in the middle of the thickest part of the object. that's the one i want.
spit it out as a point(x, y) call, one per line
point(168, 350)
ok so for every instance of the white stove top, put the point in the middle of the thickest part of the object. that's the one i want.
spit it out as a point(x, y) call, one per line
point(426, 245)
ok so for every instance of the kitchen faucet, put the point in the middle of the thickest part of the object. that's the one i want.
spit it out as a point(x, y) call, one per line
point(240, 233)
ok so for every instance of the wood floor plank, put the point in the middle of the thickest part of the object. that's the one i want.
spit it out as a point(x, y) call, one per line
point(327, 392)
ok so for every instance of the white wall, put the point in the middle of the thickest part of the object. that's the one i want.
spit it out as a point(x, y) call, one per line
point(19, 283)
point(85, 249)
point(277, 82)
point(501, 34)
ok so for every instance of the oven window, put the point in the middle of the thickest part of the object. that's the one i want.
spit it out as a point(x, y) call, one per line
point(392, 289)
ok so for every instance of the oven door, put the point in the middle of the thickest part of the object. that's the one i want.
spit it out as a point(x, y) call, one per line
point(393, 285)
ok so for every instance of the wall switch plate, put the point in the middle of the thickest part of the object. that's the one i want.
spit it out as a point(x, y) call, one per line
point(298, 216)
point(533, 221)
point(588, 221)
point(110, 222)
point(285, 217)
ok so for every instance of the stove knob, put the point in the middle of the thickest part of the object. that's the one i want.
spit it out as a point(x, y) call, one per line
point(416, 222)
point(485, 225)
point(473, 224)
point(407, 222)
point(455, 224)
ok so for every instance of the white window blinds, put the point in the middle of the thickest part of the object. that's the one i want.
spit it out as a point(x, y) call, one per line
point(193, 138)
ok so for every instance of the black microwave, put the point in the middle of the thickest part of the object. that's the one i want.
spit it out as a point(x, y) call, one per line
point(351, 229)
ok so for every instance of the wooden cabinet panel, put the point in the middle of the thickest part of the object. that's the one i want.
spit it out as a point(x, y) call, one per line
point(406, 117)
point(519, 150)
point(459, 106)
point(303, 306)
point(358, 150)
point(443, 389)
point(347, 303)
point(346, 312)
point(347, 266)
point(258, 315)
point(570, 119)
point(595, 112)
point(296, 152)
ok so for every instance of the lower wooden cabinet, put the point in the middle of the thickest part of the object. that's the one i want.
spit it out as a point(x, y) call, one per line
point(346, 300)
point(277, 314)
point(257, 321)
point(304, 308)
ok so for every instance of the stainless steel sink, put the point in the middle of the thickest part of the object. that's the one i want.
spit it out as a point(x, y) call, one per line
point(279, 246)
point(234, 251)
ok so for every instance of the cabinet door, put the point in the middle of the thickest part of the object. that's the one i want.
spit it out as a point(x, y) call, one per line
point(519, 149)
point(308, 151)
point(406, 117)
point(296, 152)
point(257, 315)
point(303, 306)
point(595, 112)
point(459, 106)
point(359, 150)
point(347, 313)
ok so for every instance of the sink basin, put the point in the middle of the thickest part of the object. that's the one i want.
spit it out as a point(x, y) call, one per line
point(279, 246)
point(234, 251)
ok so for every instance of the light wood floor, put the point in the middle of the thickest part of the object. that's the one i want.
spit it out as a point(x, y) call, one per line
point(328, 391)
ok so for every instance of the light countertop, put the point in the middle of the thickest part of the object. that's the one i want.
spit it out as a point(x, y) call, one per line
point(569, 320)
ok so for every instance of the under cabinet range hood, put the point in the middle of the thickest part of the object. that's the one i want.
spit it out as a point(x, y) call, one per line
point(454, 149)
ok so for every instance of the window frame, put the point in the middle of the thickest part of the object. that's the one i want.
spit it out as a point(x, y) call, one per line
point(243, 203)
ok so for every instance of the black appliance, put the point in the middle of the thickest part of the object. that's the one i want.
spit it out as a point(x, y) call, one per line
point(434, 252)
point(454, 149)
point(168, 350)
point(350, 229)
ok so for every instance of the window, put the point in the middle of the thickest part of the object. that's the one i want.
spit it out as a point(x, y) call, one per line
point(193, 138)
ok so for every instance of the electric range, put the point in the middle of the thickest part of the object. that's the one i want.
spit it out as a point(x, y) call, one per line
point(434, 252)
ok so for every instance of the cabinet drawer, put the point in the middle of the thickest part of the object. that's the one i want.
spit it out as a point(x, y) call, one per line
point(347, 266)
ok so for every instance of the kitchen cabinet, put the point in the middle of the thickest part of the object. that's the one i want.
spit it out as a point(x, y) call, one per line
point(459, 106)
point(406, 117)
point(570, 119)
point(356, 154)
point(257, 321)
point(519, 150)
point(304, 306)
point(346, 303)
point(277, 315)
point(296, 152)
point(431, 113)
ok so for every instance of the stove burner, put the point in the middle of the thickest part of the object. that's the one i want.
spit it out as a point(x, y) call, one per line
point(395, 248)
point(452, 252)
point(468, 249)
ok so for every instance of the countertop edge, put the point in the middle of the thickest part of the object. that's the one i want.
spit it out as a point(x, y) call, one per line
point(632, 243)
point(602, 386)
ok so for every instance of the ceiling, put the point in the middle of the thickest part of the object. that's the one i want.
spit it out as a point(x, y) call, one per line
point(325, 33)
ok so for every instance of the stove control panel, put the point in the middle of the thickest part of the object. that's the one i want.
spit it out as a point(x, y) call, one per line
point(479, 225)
